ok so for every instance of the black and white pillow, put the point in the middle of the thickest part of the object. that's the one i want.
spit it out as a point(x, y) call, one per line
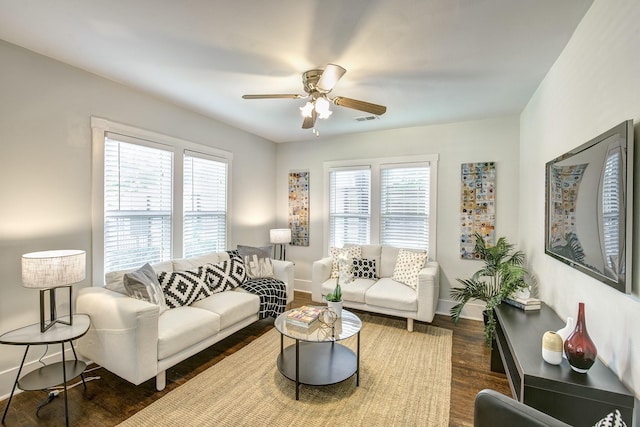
point(364, 268)
point(614, 419)
point(225, 275)
point(184, 287)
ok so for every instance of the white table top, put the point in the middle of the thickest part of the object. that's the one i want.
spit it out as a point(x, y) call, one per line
point(59, 332)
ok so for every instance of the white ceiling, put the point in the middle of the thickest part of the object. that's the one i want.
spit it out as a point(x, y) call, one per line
point(428, 61)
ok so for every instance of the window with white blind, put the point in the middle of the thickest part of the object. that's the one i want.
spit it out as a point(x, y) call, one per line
point(205, 205)
point(155, 198)
point(388, 201)
point(137, 204)
point(404, 206)
point(349, 206)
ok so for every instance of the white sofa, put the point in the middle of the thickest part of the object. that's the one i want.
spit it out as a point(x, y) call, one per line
point(383, 294)
point(130, 338)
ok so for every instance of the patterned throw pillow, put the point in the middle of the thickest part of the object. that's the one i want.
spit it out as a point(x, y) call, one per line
point(364, 268)
point(408, 266)
point(184, 287)
point(614, 419)
point(226, 275)
point(350, 252)
point(257, 261)
point(143, 284)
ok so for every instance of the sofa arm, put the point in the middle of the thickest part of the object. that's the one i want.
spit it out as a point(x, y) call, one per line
point(320, 273)
point(428, 291)
point(123, 336)
point(283, 270)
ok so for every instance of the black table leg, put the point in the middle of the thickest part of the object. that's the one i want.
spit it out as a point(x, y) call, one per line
point(358, 362)
point(297, 369)
point(64, 379)
point(15, 383)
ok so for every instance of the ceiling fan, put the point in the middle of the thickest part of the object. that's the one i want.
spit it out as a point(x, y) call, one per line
point(317, 85)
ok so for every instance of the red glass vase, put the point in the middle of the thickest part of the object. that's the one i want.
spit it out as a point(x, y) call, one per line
point(580, 350)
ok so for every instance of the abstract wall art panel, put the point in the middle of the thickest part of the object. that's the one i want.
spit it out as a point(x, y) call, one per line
point(477, 206)
point(299, 207)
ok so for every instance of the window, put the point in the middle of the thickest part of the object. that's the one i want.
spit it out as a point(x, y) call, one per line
point(404, 206)
point(349, 206)
point(611, 201)
point(388, 201)
point(137, 204)
point(205, 205)
point(155, 198)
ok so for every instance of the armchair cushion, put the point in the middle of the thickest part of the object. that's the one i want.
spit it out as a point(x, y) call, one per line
point(364, 268)
point(408, 265)
point(350, 252)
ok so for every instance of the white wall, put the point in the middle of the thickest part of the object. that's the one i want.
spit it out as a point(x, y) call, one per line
point(475, 141)
point(45, 171)
point(594, 85)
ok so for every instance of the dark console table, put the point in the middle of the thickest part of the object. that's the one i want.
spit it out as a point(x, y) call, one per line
point(577, 399)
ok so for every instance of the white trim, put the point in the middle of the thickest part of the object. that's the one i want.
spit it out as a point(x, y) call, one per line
point(99, 129)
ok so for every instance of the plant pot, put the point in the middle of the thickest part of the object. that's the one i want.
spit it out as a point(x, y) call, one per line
point(335, 306)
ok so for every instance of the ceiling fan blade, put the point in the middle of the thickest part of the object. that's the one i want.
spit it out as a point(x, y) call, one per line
point(309, 122)
point(330, 76)
point(274, 96)
point(376, 109)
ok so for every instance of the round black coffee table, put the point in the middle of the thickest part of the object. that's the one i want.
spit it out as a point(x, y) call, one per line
point(317, 358)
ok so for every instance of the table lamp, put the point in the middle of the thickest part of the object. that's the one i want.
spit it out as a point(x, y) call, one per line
point(280, 237)
point(49, 270)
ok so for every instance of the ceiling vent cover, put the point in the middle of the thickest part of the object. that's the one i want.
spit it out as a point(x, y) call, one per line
point(367, 118)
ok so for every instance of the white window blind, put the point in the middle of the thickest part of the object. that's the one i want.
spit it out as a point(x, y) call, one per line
point(404, 206)
point(137, 203)
point(205, 205)
point(349, 206)
point(611, 201)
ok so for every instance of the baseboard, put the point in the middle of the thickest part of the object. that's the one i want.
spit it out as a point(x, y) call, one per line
point(8, 377)
point(471, 310)
point(302, 285)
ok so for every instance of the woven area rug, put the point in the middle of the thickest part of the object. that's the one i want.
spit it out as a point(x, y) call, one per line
point(405, 379)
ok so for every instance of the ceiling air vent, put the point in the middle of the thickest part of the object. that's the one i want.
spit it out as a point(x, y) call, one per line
point(367, 118)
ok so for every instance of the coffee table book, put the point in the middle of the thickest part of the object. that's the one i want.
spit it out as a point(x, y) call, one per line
point(304, 317)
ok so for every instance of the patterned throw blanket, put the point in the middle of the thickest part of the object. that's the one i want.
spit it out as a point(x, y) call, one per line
point(272, 293)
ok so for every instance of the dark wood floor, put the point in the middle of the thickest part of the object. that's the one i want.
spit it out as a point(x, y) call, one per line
point(110, 399)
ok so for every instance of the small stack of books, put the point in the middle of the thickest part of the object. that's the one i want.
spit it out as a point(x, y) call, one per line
point(304, 317)
point(523, 303)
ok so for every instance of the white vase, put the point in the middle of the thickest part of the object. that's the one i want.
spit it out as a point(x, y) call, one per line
point(552, 348)
point(335, 306)
point(566, 331)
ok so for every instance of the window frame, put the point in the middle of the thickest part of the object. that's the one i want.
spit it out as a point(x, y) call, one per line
point(375, 165)
point(99, 129)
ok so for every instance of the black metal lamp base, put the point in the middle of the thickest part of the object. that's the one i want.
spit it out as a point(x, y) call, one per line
point(53, 315)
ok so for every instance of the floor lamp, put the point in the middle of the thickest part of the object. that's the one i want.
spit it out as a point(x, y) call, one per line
point(49, 270)
point(280, 237)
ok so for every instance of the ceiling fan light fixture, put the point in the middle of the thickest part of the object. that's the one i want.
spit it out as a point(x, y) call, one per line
point(307, 110)
point(322, 108)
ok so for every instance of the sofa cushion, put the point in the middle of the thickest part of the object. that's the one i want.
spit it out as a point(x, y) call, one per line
point(182, 288)
point(408, 265)
point(143, 284)
point(388, 258)
point(354, 291)
point(350, 252)
point(231, 306)
point(388, 293)
point(364, 268)
point(114, 280)
point(183, 264)
point(183, 327)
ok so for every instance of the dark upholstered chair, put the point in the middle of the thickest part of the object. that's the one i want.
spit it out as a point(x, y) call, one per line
point(493, 409)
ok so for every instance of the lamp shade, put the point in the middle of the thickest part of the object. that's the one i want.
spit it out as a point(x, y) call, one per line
point(49, 269)
point(280, 235)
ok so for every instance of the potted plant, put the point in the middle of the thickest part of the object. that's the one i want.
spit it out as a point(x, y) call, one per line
point(334, 299)
point(503, 273)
